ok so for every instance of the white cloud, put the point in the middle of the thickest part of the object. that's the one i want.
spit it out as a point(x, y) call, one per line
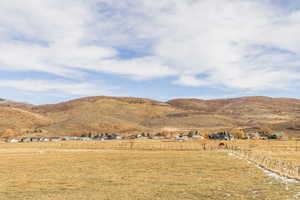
point(240, 44)
point(57, 86)
point(220, 39)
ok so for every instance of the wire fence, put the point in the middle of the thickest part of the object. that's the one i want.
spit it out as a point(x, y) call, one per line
point(286, 168)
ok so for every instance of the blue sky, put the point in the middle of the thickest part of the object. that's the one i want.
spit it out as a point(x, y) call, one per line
point(54, 50)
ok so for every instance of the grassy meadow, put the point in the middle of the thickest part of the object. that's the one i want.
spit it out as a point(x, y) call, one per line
point(90, 170)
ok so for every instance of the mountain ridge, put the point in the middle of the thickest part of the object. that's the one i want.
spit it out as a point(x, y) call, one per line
point(131, 115)
point(15, 104)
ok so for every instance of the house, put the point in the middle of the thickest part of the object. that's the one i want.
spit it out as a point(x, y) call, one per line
point(85, 138)
point(97, 138)
point(71, 138)
point(44, 139)
point(221, 136)
point(253, 135)
point(55, 139)
point(13, 141)
point(131, 137)
point(276, 136)
point(142, 137)
point(68, 138)
point(197, 137)
point(111, 137)
point(158, 137)
point(119, 137)
point(263, 138)
point(26, 140)
point(35, 139)
point(181, 137)
point(178, 137)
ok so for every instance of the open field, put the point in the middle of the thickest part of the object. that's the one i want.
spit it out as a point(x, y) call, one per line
point(253, 145)
point(87, 170)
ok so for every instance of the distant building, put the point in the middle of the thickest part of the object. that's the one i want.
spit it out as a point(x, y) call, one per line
point(55, 139)
point(44, 139)
point(71, 138)
point(181, 137)
point(197, 137)
point(119, 137)
point(35, 139)
point(253, 135)
point(221, 136)
point(85, 138)
point(277, 136)
point(26, 140)
point(13, 141)
point(263, 138)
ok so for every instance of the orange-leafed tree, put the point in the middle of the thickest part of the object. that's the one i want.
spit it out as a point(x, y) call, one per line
point(266, 131)
point(8, 134)
point(239, 133)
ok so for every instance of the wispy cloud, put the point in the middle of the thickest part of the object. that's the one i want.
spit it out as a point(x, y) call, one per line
point(58, 87)
point(240, 44)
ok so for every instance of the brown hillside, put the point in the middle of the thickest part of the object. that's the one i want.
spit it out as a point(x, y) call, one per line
point(126, 115)
point(103, 114)
point(14, 104)
point(249, 110)
point(19, 120)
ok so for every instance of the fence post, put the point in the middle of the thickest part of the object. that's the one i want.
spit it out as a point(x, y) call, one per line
point(131, 145)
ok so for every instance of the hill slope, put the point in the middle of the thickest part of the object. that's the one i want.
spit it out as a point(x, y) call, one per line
point(256, 109)
point(127, 115)
point(8, 103)
point(103, 114)
point(19, 121)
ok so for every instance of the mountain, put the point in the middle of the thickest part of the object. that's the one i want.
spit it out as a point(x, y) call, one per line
point(18, 121)
point(8, 103)
point(246, 109)
point(103, 115)
point(281, 114)
point(127, 115)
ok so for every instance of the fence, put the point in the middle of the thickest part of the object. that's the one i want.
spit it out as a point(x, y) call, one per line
point(154, 145)
point(285, 168)
point(282, 148)
point(159, 146)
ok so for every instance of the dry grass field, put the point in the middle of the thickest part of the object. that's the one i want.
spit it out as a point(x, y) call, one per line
point(106, 170)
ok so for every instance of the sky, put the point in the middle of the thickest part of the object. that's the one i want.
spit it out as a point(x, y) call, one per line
point(53, 50)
